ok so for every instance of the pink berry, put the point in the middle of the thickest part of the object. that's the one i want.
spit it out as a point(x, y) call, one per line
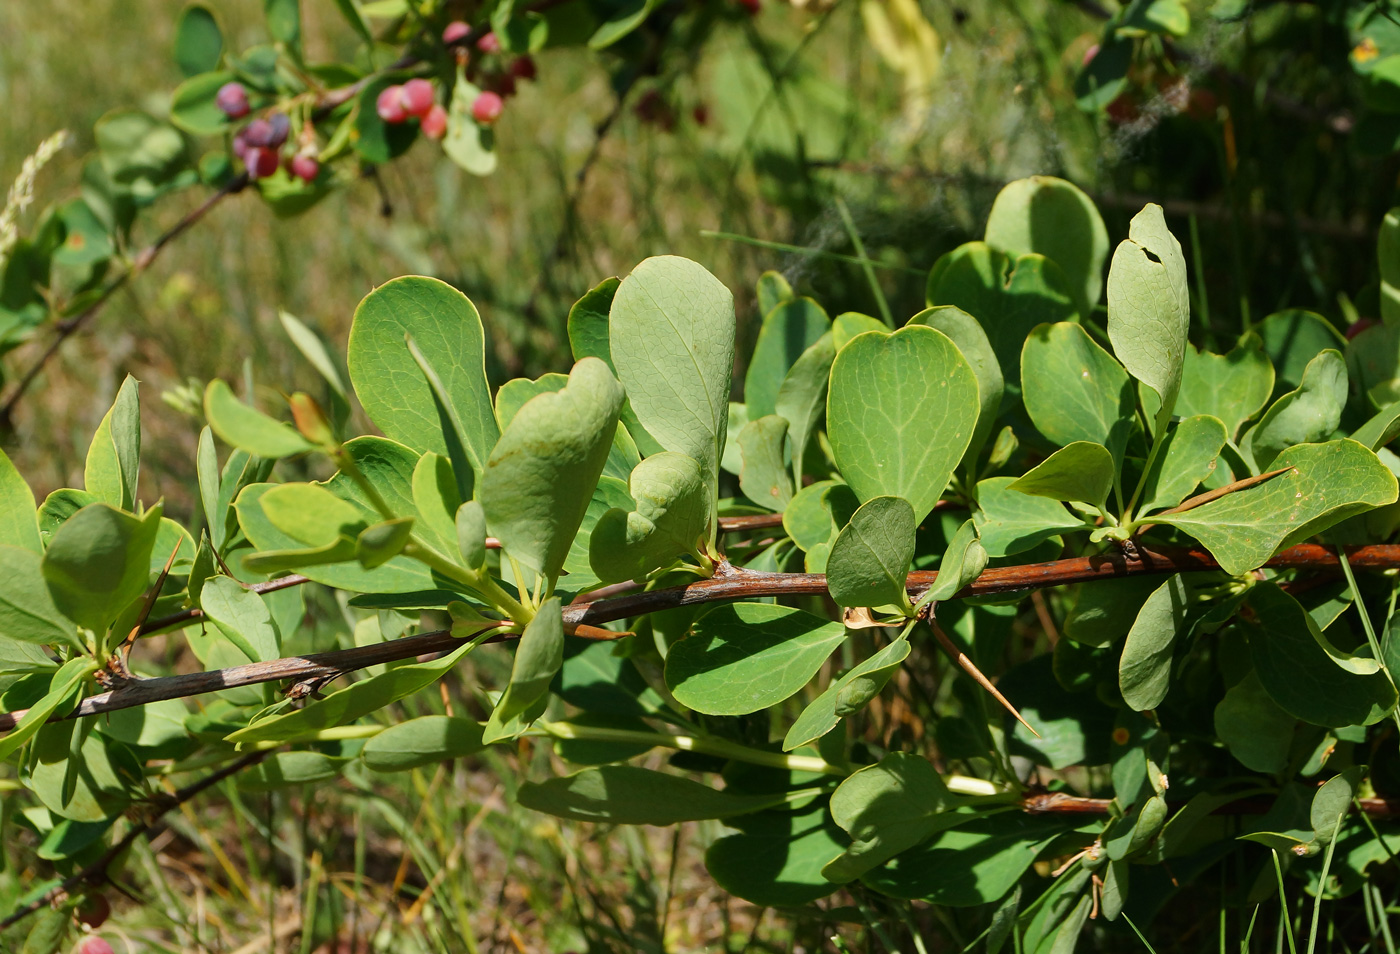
point(1089, 55)
point(305, 168)
point(490, 43)
point(389, 105)
point(260, 161)
point(435, 123)
point(232, 99)
point(487, 108)
point(456, 32)
point(523, 68)
point(240, 143)
point(1360, 325)
point(92, 944)
point(416, 97)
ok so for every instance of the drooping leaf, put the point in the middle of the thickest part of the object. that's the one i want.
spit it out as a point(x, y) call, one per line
point(1149, 309)
point(900, 413)
point(870, 558)
point(888, 808)
point(284, 769)
point(538, 657)
point(105, 785)
point(247, 428)
point(422, 741)
point(1074, 390)
point(667, 520)
point(1299, 675)
point(1009, 521)
point(787, 332)
point(776, 857)
point(446, 327)
point(1327, 483)
point(671, 331)
point(1144, 670)
point(1080, 471)
point(1255, 730)
point(541, 473)
point(1304, 416)
point(98, 562)
point(1056, 219)
point(627, 795)
point(745, 657)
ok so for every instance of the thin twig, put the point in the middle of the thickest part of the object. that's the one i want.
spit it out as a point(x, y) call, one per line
point(969, 667)
point(585, 619)
point(96, 872)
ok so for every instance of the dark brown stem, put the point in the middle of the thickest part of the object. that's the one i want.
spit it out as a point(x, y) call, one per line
point(96, 872)
point(585, 619)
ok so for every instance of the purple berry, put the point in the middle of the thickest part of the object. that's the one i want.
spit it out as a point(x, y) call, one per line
point(305, 168)
point(456, 32)
point(416, 97)
point(487, 108)
point(522, 67)
point(257, 134)
point(232, 99)
point(260, 161)
point(389, 105)
point(435, 123)
point(279, 125)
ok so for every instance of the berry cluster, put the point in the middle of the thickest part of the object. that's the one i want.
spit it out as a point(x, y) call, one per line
point(259, 143)
point(413, 100)
point(497, 79)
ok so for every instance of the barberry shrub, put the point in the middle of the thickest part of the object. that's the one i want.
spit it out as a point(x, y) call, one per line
point(737, 589)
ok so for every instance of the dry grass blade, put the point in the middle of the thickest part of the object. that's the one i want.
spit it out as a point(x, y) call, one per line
point(968, 667)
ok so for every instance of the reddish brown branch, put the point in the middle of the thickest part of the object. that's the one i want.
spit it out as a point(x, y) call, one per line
point(1060, 803)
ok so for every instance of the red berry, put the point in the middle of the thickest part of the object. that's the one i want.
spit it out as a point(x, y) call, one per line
point(93, 910)
point(435, 123)
point(487, 108)
point(305, 168)
point(490, 43)
point(416, 97)
point(92, 944)
point(456, 32)
point(1360, 325)
point(701, 115)
point(523, 68)
point(502, 83)
point(232, 99)
point(389, 105)
point(260, 161)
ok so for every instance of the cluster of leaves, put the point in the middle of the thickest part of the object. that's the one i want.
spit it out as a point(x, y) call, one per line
point(999, 427)
point(81, 249)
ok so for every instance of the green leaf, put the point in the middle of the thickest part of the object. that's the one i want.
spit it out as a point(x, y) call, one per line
point(27, 611)
point(284, 23)
point(1009, 521)
point(1297, 672)
point(454, 434)
point(108, 779)
point(626, 17)
point(1149, 309)
point(864, 679)
point(1008, 296)
point(19, 524)
point(1293, 337)
point(1080, 471)
point(671, 333)
point(1076, 391)
point(64, 687)
point(801, 399)
point(541, 473)
point(1327, 483)
point(870, 559)
point(311, 514)
point(467, 142)
point(1104, 77)
point(667, 520)
point(1054, 218)
point(139, 152)
point(512, 395)
point(848, 325)
point(1305, 416)
point(1256, 731)
point(776, 858)
point(314, 350)
point(598, 677)
point(283, 769)
point(627, 795)
point(900, 413)
point(588, 322)
point(764, 478)
point(242, 616)
point(962, 562)
point(745, 657)
point(977, 862)
point(538, 657)
point(471, 534)
point(98, 562)
point(389, 382)
point(788, 330)
point(422, 741)
point(965, 332)
point(888, 808)
point(436, 499)
point(353, 702)
point(1334, 797)
point(114, 457)
point(1233, 387)
point(771, 290)
point(194, 106)
point(1145, 668)
point(818, 512)
point(1377, 432)
point(1187, 458)
point(249, 429)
